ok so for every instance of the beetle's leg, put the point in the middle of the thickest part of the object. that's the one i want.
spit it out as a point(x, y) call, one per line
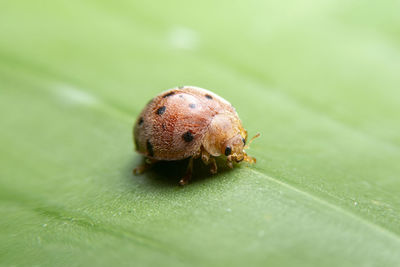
point(185, 180)
point(229, 161)
point(144, 167)
point(205, 157)
point(213, 167)
point(208, 159)
point(230, 164)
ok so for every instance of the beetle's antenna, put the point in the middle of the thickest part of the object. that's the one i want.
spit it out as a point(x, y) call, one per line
point(251, 140)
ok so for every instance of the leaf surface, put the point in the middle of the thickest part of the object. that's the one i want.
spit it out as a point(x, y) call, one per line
point(319, 81)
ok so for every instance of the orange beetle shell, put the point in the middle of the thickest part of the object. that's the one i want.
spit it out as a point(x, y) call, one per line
point(172, 125)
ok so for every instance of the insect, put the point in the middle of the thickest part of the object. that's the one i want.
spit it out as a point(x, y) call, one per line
point(190, 122)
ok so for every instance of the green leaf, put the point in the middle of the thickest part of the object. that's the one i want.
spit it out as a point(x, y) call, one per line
point(319, 80)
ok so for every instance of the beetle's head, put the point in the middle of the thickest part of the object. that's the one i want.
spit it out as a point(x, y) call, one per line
point(234, 148)
point(226, 136)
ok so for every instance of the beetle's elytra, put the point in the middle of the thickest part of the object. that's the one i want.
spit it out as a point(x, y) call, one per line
point(190, 122)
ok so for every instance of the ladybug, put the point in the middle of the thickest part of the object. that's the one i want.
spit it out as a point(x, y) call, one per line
point(190, 122)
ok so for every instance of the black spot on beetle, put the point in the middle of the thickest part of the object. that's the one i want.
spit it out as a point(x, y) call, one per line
point(228, 151)
point(192, 105)
point(244, 141)
point(161, 110)
point(208, 96)
point(188, 136)
point(168, 94)
point(140, 122)
point(149, 147)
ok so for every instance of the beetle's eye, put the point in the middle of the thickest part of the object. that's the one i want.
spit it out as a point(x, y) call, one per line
point(244, 141)
point(228, 151)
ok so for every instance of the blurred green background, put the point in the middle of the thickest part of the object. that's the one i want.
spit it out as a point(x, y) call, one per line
point(318, 79)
